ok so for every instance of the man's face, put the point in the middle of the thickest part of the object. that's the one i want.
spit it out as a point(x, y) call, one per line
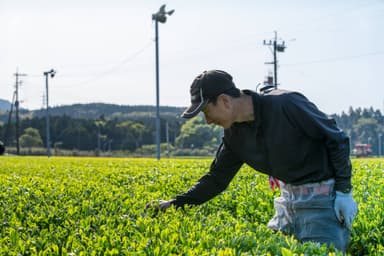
point(219, 113)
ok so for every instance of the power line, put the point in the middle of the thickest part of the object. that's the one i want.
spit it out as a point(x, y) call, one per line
point(112, 69)
point(335, 59)
point(96, 75)
point(327, 18)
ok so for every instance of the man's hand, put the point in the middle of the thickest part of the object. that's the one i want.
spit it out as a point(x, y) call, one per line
point(345, 208)
point(157, 206)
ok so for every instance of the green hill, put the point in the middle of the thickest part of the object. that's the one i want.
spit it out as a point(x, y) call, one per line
point(4, 105)
point(96, 110)
point(110, 111)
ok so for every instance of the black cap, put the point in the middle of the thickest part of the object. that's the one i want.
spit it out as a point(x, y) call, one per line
point(208, 85)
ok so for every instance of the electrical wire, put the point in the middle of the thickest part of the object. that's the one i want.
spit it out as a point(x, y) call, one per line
point(342, 58)
point(327, 18)
point(104, 73)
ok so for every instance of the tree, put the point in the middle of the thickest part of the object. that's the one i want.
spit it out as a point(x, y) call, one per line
point(31, 138)
point(196, 134)
point(132, 134)
point(100, 123)
point(368, 131)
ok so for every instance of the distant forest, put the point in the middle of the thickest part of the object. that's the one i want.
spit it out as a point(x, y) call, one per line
point(363, 126)
point(131, 129)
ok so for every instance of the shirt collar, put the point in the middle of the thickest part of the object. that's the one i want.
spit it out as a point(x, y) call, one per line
point(256, 99)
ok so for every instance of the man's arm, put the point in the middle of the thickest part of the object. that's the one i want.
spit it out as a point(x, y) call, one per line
point(223, 168)
point(317, 125)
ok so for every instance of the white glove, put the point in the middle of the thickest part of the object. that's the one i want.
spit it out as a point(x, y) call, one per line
point(345, 208)
point(157, 206)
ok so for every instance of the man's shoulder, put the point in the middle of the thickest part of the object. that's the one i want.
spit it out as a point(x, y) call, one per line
point(282, 95)
point(275, 96)
point(272, 93)
point(277, 92)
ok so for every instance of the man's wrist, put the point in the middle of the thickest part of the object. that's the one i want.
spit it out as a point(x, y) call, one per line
point(172, 202)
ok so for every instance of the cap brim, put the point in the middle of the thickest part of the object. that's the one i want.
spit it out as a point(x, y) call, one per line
point(194, 109)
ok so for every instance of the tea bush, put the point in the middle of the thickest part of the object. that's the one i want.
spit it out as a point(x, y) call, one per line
point(96, 206)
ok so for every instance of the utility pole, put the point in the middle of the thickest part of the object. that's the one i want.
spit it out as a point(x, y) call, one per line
point(160, 16)
point(52, 74)
point(17, 104)
point(6, 134)
point(167, 136)
point(276, 48)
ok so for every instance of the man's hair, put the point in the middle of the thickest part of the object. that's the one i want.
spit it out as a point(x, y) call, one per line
point(233, 92)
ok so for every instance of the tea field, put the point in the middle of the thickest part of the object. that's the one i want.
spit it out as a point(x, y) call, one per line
point(96, 206)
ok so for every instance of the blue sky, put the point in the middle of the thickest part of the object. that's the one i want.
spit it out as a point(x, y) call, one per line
point(104, 51)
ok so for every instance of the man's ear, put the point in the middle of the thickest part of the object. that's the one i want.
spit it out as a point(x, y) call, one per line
point(226, 100)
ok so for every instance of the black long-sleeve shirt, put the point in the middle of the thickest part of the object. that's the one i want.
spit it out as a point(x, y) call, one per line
point(289, 139)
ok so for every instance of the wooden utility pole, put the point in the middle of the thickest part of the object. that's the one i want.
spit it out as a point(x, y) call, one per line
point(17, 105)
point(276, 48)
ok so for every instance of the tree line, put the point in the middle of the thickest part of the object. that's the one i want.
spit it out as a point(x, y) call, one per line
point(363, 126)
point(134, 133)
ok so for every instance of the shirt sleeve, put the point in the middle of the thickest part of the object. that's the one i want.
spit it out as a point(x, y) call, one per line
point(317, 125)
point(222, 170)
